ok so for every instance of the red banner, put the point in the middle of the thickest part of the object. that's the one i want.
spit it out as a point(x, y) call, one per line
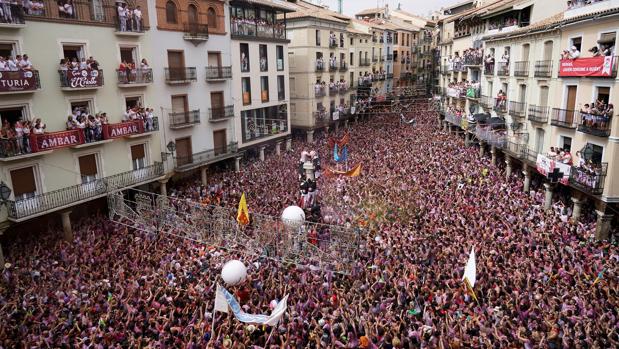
point(56, 140)
point(590, 66)
point(83, 78)
point(123, 129)
point(22, 80)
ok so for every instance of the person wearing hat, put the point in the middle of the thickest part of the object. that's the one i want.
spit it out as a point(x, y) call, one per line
point(574, 53)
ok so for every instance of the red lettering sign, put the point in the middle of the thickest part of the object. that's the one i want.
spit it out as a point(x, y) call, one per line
point(56, 140)
point(123, 129)
point(23, 80)
point(603, 66)
point(83, 78)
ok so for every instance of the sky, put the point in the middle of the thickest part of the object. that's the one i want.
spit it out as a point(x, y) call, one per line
point(419, 7)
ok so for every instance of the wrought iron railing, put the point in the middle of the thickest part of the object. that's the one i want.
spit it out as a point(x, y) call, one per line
point(12, 13)
point(319, 91)
point(543, 69)
point(390, 57)
point(538, 113)
point(502, 69)
point(521, 68)
point(589, 180)
point(218, 73)
point(596, 125)
point(517, 108)
point(489, 68)
point(486, 101)
point(206, 156)
point(65, 197)
point(319, 65)
point(472, 60)
point(196, 30)
point(186, 74)
point(343, 66)
point(184, 118)
point(563, 118)
point(81, 78)
point(220, 113)
point(500, 104)
point(134, 76)
point(240, 29)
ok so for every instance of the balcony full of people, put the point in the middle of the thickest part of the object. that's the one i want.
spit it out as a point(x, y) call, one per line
point(130, 73)
point(473, 56)
point(129, 18)
point(81, 73)
point(596, 117)
point(258, 27)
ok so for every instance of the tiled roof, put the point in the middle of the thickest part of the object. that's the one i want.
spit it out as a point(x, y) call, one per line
point(371, 11)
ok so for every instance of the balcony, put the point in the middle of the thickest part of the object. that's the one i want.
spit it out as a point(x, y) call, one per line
point(12, 15)
point(599, 67)
point(517, 109)
point(134, 77)
point(129, 26)
point(458, 67)
point(517, 150)
point(502, 69)
point(582, 8)
point(389, 76)
point(472, 60)
point(343, 89)
point(500, 104)
point(374, 59)
point(563, 118)
point(333, 90)
point(319, 91)
point(21, 81)
point(521, 69)
point(596, 125)
point(390, 57)
point(364, 62)
point(486, 101)
point(190, 162)
point(215, 73)
point(333, 66)
point(220, 113)
point(489, 69)
point(333, 44)
point(242, 30)
point(343, 66)
point(78, 80)
point(321, 118)
point(195, 33)
point(538, 114)
point(320, 65)
point(20, 210)
point(185, 75)
point(543, 69)
point(183, 119)
point(590, 181)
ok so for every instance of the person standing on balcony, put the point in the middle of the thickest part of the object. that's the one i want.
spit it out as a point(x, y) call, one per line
point(122, 16)
point(137, 17)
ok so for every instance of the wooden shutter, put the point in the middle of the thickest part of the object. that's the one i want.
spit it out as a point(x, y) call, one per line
point(23, 181)
point(88, 165)
point(137, 152)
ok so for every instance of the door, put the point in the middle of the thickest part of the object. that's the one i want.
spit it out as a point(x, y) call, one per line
point(523, 94)
point(219, 141)
point(571, 104)
point(192, 16)
point(183, 151)
point(24, 185)
point(88, 168)
point(176, 65)
point(180, 108)
point(217, 104)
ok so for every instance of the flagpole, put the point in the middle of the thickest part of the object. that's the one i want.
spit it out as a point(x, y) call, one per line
point(214, 312)
point(273, 329)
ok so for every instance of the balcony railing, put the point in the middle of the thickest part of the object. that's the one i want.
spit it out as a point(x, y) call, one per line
point(180, 119)
point(220, 113)
point(374, 59)
point(129, 26)
point(502, 69)
point(459, 67)
point(538, 113)
point(389, 76)
point(521, 68)
point(195, 31)
point(472, 60)
point(589, 181)
point(333, 44)
point(343, 89)
point(343, 66)
point(12, 15)
point(333, 66)
point(132, 77)
point(516, 149)
point(596, 125)
point(563, 118)
point(517, 108)
point(180, 75)
point(390, 57)
point(333, 91)
point(76, 11)
point(500, 105)
point(486, 101)
point(364, 62)
point(205, 157)
point(240, 29)
point(71, 196)
point(543, 69)
point(80, 79)
point(19, 81)
point(218, 73)
point(320, 65)
point(489, 68)
point(319, 91)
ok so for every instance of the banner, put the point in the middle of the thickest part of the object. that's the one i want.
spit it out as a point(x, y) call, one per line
point(83, 78)
point(22, 80)
point(341, 142)
point(122, 129)
point(354, 172)
point(336, 115)
point(590, 66)
point(546, 166)
point(56, 140)
point(340, 158)
point(225, 300)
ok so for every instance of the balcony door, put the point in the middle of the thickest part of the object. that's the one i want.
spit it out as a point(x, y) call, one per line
point(88, 168)
point(571, 104)
point(180, 109)
point(214, 59)
point(183, 151)
point(176, 64)
point(24, 183)
point(219, 141)
point(217, 104)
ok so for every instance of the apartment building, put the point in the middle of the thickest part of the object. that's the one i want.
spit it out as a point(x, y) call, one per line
point(93, 138)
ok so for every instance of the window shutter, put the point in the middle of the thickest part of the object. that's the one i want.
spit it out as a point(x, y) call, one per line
point(88, 165)
point(137, 152)
point(23, 181)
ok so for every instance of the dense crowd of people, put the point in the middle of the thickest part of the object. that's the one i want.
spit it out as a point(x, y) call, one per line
point(129, 19)
point(597, 115)
point(76, 64)
point(15, 136)
point(423, 199)
point(17, 63)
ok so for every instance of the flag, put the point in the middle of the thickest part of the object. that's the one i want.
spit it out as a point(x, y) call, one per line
point(225, 301)
point(470, 274)
point(242, 216)
point(336, 156)
point(599, 277)
point(353, 172)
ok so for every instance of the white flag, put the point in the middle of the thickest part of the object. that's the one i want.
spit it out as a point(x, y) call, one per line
point(470, 272)
point(221, 304)
point(278, 312)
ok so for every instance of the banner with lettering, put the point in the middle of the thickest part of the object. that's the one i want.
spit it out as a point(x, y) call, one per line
point(56, 140)
point(123, 129)
point(83, 78)
point(22, 80)
point(546, 166)
point(589, 66)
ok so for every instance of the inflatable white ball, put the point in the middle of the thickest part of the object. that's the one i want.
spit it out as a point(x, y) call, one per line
point(234, 272)
point(293, 217)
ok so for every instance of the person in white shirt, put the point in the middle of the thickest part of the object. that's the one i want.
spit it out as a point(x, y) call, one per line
point(122, 16)
point(3, 64)
point(83, 64)
point(25, 63)
point(12, 64)
point(137, 17)
point(574, 53)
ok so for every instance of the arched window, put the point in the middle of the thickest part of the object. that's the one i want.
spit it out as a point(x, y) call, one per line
point(170, 12)
point(192, 14)
point(211, 18)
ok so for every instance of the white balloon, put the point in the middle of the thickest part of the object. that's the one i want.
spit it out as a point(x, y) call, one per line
point(293, 217)
point(234, 272)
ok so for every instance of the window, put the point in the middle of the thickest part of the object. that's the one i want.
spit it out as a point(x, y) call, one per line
point(352, 40)
point(264, 64)
point(593, 153)
point(264, 88)
point(606, 43)
point(133, 101)
point(24, 184)
point(246, 85)
point(128, 55)
point(192, 15)
point(576, 42)
point(211, 18)
point(539, 141)
point(602, 94)
point(138, 156)
point(7, 50)
point(341, 39)
point(566, 143)
point(279, 52)
point(352, 56)
point(73, 52)
point(88, 167)
point(170, 12)
point(281, 88)
point(244, 58)
point(317, 37)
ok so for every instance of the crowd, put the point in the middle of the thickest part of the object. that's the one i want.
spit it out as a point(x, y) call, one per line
point(559, 154)
point(257, 27)
point(572, 4)
point(76, 64)
point(473, 56)
point(129, 19)
point(15, 136)
point(129, 72)
point(19, 62)
point(423, 199)
point(597, 115)
point(465, 88)
point(92, 125)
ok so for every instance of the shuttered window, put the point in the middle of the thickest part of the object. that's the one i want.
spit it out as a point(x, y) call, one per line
point(23, 181)
point(88, 165)
point(137, 152)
